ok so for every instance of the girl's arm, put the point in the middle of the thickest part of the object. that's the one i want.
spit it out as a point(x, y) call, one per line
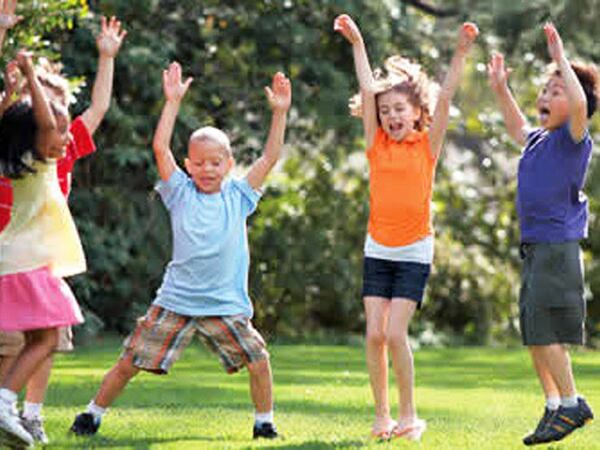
point(174, 91)
point(108, 42)
point(8, 19)
point(11, 85)
point(346, 26)
point(280, 98)
point(578, 119)
point(44, 118)
point(516, 123)
point(439, 123)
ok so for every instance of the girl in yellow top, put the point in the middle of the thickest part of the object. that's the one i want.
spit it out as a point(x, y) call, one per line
point(39, 246)
point(404, 141)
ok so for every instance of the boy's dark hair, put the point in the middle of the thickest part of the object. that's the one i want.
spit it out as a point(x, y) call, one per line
point(588, 77)
point(17, 140)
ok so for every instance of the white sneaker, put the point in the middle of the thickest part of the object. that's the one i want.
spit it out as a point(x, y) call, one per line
point(11, 430)
point(35, 427)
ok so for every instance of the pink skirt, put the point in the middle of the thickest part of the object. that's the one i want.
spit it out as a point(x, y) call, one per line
point(36, 299)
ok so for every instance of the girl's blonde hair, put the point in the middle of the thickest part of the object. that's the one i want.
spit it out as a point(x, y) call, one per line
point(406, 76)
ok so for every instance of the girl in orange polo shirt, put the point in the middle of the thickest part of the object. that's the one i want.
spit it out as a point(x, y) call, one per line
point(404, 141)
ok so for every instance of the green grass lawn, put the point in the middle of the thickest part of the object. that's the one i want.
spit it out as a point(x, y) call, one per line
point(472, 398)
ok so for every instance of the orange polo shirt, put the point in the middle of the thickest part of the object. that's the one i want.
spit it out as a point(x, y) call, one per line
point(401, 184)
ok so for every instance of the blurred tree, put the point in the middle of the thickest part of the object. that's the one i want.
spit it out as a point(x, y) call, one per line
point(307, 236)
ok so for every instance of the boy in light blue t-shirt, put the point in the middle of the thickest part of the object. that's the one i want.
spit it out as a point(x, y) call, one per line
point(204, 289)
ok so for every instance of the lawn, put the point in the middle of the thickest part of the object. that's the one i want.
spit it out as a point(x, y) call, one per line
point(472, 398)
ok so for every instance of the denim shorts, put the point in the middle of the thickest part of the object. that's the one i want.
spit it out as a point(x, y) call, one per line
point(395, 279)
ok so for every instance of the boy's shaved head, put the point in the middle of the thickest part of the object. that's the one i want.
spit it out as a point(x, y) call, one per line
point(211, 134)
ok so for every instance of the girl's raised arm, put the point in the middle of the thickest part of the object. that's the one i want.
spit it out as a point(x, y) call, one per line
point(348, 28)
point(439, 123)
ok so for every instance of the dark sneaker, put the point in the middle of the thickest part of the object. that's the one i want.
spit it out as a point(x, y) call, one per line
point(35, 427)
point(265, 430)
point(85, 425)
point(533, 438)
point(565, 421)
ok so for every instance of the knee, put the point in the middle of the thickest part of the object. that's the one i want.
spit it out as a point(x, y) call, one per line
point(46, 339)
point(125, 369)
point(259, 368)
point(376, 338)
point(398, 339)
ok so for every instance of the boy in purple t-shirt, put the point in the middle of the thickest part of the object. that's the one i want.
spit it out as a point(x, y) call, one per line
point(553, 214)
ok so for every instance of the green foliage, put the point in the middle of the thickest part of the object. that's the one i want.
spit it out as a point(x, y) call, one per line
point(306, 238)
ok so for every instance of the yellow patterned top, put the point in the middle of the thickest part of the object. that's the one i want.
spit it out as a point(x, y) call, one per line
point(41, 231)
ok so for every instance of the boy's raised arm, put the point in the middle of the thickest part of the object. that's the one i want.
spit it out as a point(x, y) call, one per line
point(174, 91)
point(514, 119)
point(279, 96)
point(439, 124)
point(578, 121)
point(348, 28)
point(108, 42)
point(8, 19)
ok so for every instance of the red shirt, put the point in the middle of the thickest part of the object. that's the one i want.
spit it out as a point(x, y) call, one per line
point(81, 145)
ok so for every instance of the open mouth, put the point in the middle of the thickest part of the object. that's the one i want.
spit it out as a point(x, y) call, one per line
point(544, 113)
point(396, 127)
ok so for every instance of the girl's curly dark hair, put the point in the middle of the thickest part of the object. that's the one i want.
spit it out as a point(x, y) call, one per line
point(17, 141)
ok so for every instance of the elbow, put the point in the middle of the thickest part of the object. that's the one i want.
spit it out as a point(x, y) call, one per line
point(158, 146)
point(100, 108)
point(271, 159)
point(444, 98)
point(580, 108)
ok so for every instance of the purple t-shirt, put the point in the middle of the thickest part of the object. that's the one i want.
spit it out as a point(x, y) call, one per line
point(550, 202)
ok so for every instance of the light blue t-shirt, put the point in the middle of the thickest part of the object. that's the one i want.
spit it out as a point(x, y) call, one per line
point(208, 272)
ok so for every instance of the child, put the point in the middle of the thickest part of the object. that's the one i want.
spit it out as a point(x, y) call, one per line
point(403, 145)
point(39, 245)
point(553, 215)
point(81, 129)
point(204, 289)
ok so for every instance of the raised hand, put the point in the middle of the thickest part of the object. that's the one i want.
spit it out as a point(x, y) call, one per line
point(25, 62)
point(497, 73)
point(8, 19)
point(11, 78)
point(555, 44)
point(173, 88)
point(279, 94)
point(466, 36)
point(110, 38)
point(347, 28)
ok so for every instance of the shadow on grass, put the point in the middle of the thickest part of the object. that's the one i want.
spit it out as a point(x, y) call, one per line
point(318, 445)
point(142, 443)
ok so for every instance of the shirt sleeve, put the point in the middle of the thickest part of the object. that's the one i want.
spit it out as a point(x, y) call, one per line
point(378, 141)
point(6, 200)
point(82, 144)
point(172, 191)
point(249, 197)
point(532, 134)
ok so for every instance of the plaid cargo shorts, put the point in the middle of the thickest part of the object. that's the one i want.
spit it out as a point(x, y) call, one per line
point(161, 335)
